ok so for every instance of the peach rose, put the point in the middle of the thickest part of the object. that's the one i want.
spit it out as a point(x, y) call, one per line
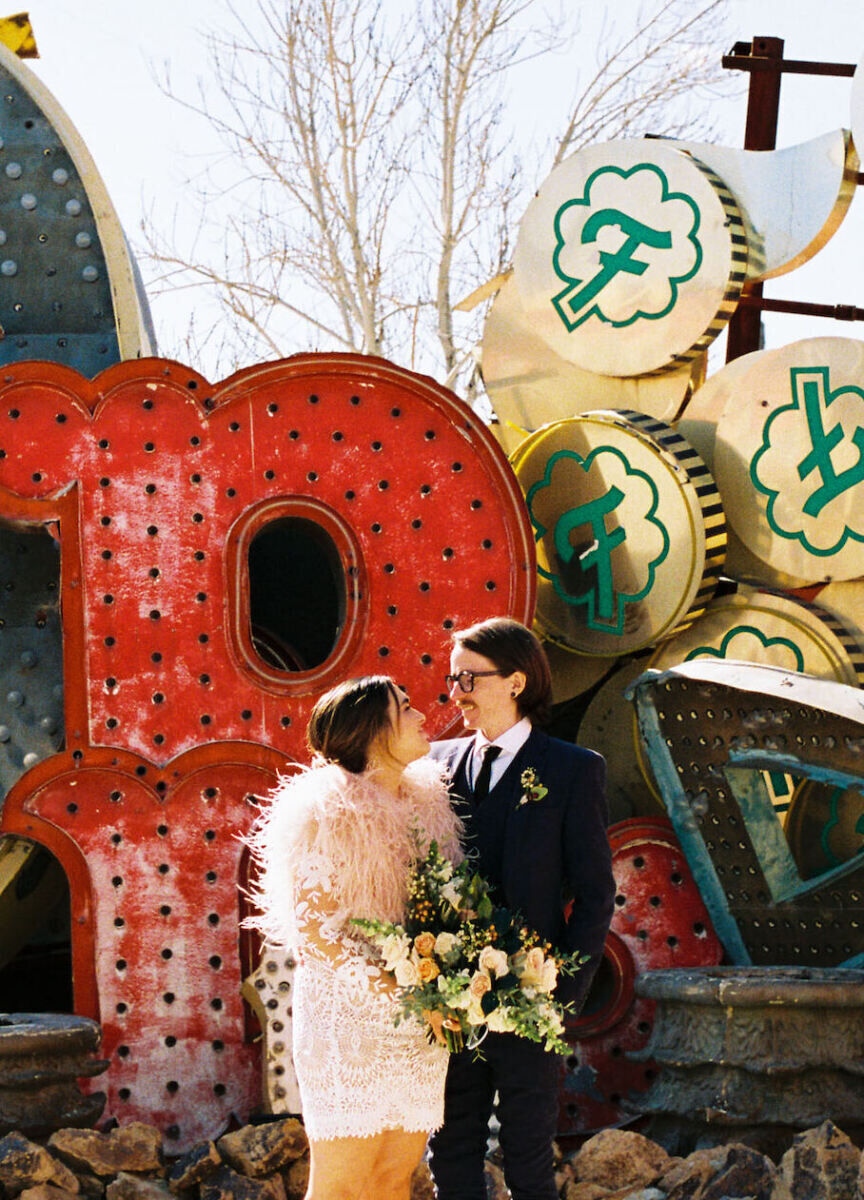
point(494, 961)
point(428, 970)
point(424, 944)
point(534, 960)
point(480, 984)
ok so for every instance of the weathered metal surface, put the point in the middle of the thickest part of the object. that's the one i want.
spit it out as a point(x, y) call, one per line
point(269, 990)
point(42, 1058)
point(629, 526)
point(31, 664)
point(609, 728)
point(184, 695)
point(69, 289)
point(630, 258)
point(529, 384)
point(574, 674)
point(756, 1046)
point(173, 483)
point(714, 731)
point(659, 921)
point(824, 826)
point(793, 200)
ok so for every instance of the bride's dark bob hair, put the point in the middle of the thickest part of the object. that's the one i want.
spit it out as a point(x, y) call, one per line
point(346, 721)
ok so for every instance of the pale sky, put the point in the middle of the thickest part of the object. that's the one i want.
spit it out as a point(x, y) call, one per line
point(98, 57)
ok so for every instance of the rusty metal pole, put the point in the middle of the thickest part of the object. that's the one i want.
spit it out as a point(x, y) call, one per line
point(763, 105)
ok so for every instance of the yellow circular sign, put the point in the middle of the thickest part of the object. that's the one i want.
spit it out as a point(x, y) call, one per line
point(573, 674)
point(629, 528)
point(789, 459)
point(631, 257)
point(769, 630)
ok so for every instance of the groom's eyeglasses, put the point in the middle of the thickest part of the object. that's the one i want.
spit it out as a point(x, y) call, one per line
point(465, 679)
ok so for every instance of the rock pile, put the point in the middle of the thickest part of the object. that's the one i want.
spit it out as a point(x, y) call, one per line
point(821, 1164)
point(271, 1162)
point(258, 1162)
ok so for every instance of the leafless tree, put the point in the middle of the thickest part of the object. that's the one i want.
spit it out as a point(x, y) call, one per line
point(370, 177)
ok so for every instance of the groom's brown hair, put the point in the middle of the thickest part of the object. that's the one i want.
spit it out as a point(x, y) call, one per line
point(513, 647)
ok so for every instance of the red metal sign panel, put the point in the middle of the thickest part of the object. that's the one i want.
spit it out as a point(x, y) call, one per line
point(161, 490)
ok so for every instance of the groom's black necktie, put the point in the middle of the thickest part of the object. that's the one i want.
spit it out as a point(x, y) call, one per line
point(481, 784)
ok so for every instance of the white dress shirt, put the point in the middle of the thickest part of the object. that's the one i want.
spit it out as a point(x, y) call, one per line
point(510, 743)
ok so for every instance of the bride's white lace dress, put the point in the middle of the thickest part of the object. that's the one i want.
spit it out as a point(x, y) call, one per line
point(334, 846)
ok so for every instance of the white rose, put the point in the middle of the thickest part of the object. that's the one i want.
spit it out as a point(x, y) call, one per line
point(406, 973)
point(444, 943)
point(494, 961)
point(450, 893)
point(548, 976)
point(475, 1013)
point(552, 1018)
point(393, 948)
point(499, 1022)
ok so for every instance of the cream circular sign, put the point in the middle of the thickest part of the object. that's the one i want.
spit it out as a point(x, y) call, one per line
point(789, 459)
point(630, 258)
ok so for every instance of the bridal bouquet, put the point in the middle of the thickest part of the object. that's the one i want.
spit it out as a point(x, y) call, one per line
point(470, 963)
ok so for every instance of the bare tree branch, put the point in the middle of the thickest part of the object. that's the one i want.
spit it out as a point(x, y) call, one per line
point(369, 176)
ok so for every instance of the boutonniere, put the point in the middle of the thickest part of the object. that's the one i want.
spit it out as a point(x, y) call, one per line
point(534, 789)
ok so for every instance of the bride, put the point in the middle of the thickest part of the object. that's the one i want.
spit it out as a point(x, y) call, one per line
point(335, 843)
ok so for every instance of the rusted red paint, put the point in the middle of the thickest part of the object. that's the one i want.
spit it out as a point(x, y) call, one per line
point(659, 921)
point(155, 483)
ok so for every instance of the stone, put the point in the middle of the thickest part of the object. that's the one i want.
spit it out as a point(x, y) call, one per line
point(821, 1164)
point(745, 1172)
point(595, 1191)
point(583, 1191)
point(685, 1177)
point(135, 1148)
point(91, 1186)
point(227, 1184)
point(619, 1158)
point(197, 1165)
point(24, 1164)
point(296, 1179)
point(496, 1188)
point(48, 1191)
point(258, 1150)
point(719, 1172)
point(135, 1187)
point(422, 1187)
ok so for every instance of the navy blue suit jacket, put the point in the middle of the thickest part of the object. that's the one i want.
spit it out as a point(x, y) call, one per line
point(540, 854)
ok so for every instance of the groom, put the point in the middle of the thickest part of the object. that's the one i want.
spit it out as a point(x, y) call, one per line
point(537, 854)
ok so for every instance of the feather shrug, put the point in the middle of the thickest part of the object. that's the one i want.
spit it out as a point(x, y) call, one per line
point(364, 837)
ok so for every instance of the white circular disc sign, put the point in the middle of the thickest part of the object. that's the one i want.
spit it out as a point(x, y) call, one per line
point(789, 459)
point(630, 258)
